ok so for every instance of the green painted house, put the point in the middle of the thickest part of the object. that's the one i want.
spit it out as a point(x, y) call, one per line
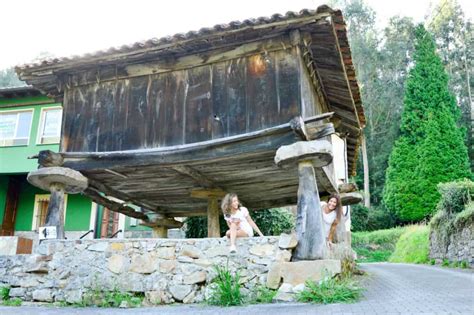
point(30, 122)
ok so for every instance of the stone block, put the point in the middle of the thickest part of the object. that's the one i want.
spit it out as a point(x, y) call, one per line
point(218, 251)
point(274, 276)
point(203, 262)
point(287, 241)
point(197, 277)
point(17, 292)
point(298, 272)
point(73, 296)
point(117, 263)
point(262, 250)
point(153, 297)
point(283, 255)
point(180, 291)
point(100, 246)
point(115, 247)
point(190, 251)
point(167, 266)
point(43, 295)
point(165, 252)
point(145, 263)
point(284, 297)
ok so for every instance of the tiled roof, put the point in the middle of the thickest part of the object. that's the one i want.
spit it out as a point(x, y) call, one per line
point(180, 37)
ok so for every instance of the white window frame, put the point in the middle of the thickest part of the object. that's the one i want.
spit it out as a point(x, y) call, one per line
point(42, 124)
point(42, 197)
point(32, 110)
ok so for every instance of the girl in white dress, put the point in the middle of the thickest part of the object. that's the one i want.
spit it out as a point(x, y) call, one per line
point(332, 212)
point(238, 219)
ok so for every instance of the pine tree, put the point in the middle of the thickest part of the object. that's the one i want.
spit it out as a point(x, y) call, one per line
point(431, 148)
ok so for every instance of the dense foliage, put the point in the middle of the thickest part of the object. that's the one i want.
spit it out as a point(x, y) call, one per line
point(270, 221)
point(454, 210)
point(430, 149)
point(377, 218)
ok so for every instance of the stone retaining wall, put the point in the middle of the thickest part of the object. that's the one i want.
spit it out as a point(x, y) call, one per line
point(166, 270)
point(456, 247)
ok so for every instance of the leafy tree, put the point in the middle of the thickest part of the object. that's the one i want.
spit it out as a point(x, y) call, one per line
point(430, 148)
point(454, 39)
point(8, 78)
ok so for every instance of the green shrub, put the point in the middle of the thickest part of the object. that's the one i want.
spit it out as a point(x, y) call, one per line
point(432, 262)
point(330, 290)
point(413, 245)
point(270, 221)
point(455, 195)
point(377, 218)
point(227, 288)
point(445, 263)
point(375, 246)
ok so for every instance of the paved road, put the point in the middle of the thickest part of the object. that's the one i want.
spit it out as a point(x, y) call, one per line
point(391, 289)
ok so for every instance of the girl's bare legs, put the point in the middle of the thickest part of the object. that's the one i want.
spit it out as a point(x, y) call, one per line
point(233, 233)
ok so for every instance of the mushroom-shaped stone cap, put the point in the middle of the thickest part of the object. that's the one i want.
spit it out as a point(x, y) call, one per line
point(73, 181)
point(319, 152)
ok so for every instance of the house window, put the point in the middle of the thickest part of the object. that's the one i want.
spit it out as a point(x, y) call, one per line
point(41, 209)
point(15, 127)
point(50, 125)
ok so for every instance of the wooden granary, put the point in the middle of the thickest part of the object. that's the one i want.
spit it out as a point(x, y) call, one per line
point(171, 124)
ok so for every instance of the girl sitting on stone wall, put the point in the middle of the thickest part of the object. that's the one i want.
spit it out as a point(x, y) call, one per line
point(238, 219)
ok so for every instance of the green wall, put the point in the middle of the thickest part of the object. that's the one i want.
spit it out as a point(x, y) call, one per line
point(78, 213)
point(13, 159)
point(78, 210)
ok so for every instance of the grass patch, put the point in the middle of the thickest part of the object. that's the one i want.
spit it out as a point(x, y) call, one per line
point(262, 294)
point(330, 290)
point(227, 288)
point(413, 245)
point(376, 246)
point(12, 302)
point(110, 299)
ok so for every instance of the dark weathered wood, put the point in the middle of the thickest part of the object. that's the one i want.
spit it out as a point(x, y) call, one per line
point(236, 97)
point(317, 131)
point(309, 224)
point(194, 174)
point(113, 206)
point(213, 228)
point(262, 140)
point(262, 104)
point(55, 214)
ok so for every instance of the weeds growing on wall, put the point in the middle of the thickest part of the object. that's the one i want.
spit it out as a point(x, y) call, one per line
point(226, 291)
point(330, 290)
point(5, 298)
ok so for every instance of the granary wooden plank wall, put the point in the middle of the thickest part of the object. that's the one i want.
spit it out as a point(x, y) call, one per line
point(211, 101)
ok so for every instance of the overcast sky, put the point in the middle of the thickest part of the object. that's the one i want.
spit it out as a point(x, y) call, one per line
point(63, 28)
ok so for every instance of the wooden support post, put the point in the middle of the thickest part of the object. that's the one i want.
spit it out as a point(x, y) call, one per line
point(160, 232)
point(213, 228)
point(58, 180)
point(55, 214)
point(309, 220)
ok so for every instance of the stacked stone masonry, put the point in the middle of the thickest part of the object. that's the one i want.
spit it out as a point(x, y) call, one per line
point(458, 247)
point(165, 270)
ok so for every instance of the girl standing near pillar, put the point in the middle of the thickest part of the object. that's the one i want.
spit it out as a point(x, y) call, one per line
point(238, 219)
point(332, 212)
